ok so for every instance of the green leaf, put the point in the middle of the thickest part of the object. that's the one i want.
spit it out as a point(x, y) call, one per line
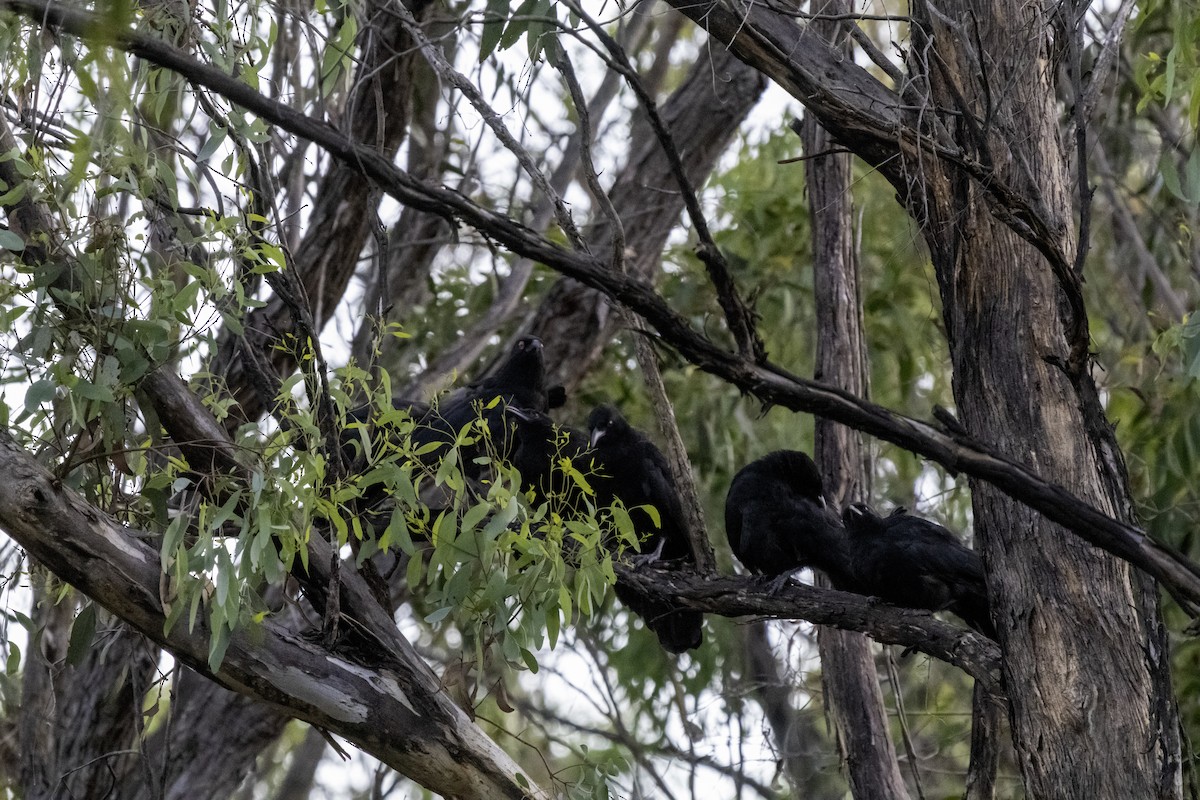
point(518, 27)
point(83, 631)
point(39, 392)
point(11, 241)
point(13, 665)
point(495, 17)
point(217, 647)
point(211, 144)
point(1170, 176)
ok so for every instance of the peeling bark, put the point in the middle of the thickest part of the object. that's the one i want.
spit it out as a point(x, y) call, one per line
point(392, 708)
point(1080, 629)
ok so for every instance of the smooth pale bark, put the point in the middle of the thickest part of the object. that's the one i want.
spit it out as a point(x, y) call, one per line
point(387, 702)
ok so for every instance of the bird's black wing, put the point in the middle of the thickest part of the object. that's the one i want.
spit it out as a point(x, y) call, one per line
point(539, 445)
point(518, 382)
point(658, 489)
point(917, 563)
point(636, 472)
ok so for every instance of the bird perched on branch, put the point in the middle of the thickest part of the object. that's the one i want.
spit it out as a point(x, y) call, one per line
point(777, 520)
point(910, 561)
point(519, 382)
point(635, 471)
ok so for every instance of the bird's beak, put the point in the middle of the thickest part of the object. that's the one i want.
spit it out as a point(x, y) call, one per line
point(597, 435)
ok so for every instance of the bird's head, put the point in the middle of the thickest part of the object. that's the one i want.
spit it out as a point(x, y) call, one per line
point(799, 471)
point(605, 421)
point(523, 373)
point(527, 352)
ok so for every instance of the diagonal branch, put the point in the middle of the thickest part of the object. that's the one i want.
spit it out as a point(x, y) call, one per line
point(738, 315)
point(731, 596)
point(392, 708)
point(444, 68)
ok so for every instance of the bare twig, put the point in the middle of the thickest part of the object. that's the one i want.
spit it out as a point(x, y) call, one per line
point(446, 70)
point(646, 358)
point(737, 314)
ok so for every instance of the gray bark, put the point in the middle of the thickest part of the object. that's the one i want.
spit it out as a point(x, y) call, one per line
point(847, 664)
point(393, 708)
point(1083, 641)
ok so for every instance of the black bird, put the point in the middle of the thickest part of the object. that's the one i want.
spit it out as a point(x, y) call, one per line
point(634, 470)
point(519, 382)
point(777, 520)
point(539, 445)
point(354, 447)
point(910, 561)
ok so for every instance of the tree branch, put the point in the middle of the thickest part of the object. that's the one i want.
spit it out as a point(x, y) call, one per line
point(392, 709)
point(732, 596)
point(767, 382)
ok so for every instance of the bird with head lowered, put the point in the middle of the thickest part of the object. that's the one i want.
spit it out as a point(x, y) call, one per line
point(910, 561)
point(777, 520)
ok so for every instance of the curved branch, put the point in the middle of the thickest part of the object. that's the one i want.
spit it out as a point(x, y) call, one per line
point(392, 709)
point(738, 316)
point(735, 596)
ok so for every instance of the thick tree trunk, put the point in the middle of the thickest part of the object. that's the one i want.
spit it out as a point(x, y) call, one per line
point(1084, 649)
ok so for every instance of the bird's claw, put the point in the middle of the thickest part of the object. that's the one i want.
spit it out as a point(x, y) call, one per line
point(777, 584)
point(642, 559)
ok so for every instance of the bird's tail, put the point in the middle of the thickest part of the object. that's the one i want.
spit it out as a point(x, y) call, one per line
point(974, 610)
point(678, 629)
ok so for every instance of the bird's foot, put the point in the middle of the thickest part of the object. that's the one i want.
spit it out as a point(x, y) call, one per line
point(642, 559)
point(777, 584)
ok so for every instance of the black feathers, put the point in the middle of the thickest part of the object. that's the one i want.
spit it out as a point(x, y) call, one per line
point(519, 382)
point(913, 562)
point(539, 445)
point(777, 519)
point(634, 470)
